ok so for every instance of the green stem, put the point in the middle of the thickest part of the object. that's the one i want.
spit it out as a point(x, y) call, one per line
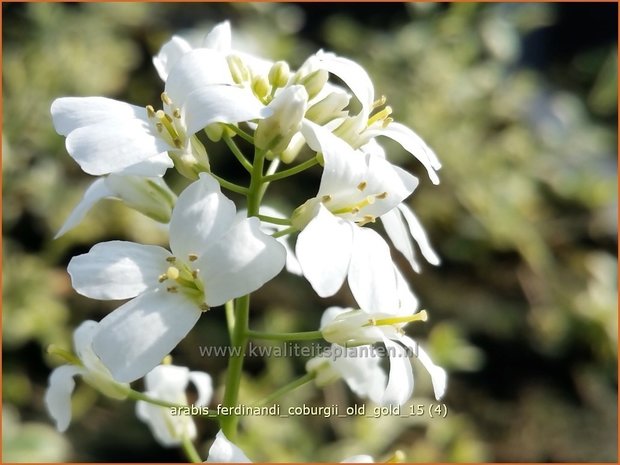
point(255, 193)
point(274, 220)
point(230, 316)
point(241, 133)
point(228, 423)
point(190, 450)
point(286, 388)
point(237, 153)
point(231, 186)
point(299, 336)
point(291, 171)
point(284, 232)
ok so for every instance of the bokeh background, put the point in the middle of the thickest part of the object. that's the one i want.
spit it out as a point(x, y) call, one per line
point(520, 103)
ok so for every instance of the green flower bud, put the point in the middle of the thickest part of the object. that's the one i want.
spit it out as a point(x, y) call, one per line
point(279, 74)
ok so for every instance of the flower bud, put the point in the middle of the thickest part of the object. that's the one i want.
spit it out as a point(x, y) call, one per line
point(329, 108)
point(279, 74)
point(350, 329)
point(150, 196)
point(289, 106)
point(238, 70)
point(260, 87)
point(324, 371)
point(190, 163)
point(314, 82)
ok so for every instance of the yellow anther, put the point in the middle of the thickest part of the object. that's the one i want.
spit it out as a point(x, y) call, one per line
point(150, 111)
point(204, 307)
point(160, 127)
point(171, 259)
point(172, 272)
point(380, 116)
point(192, 257)
point(177, 143)
point(172, 289)
point(387, 121)
point(162, 277)
point(362, 185)
point(382, 195)
point(367, 219)
point(355, 210)
point(379, 102)
point(167, 360)
point(420, 316)
point(164, 98)
point(195, 274)
point(326, 198)
point(160, 114)
point(176, 113)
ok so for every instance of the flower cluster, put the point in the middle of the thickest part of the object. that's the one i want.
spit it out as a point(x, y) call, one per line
point(218, 255)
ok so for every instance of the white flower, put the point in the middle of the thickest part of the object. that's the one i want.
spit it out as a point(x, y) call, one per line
point(169, 383)
point(89, 367)
point(347, 327)
point(215, 257)
point(107, 136)
point(355, 189)
point(148, 195)
point(361, 129)
point(224, 451)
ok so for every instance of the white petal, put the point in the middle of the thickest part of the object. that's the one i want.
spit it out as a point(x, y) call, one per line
point(400, 379)
point(93, 194)
point(353, 75)
point(58, 395)
point(398, 232)
point(169, 381)
point(70, 113)
point(113, 145)
point(330, 314)
point(201, 216)
point(371, 273)
point(204, 386)
point(439, 377)
point(240, 262)
point(324, 252)
point(381, 176)
point(169, 54)
point(117, 269)
point(220, 37)
point(83, 341)
point(413, 144)
point(157, 165)
point(419, 235)
point(169, 430)
point(135, 337)
point(221, 104)
point(361, 370)
point(196, 69)
point(224, 451)
point(408, 302)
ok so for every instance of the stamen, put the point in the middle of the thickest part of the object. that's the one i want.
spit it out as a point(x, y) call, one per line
point(167, 360)
point(172, 272)
point(362, 185)
point(326, 198)
point(420, 316)
point(379, 102)
point(176, 113)
point(387, 122)
point(204, 307)
point(379, 116)
point(162, 277)
point(195, 274)
point(171, 259)
point(367, 219)
point(192, 257)
point(160, 127)
point(382, 195)
point(150, 111)
point(164, 98)
point(172, 289)
point(178, 144)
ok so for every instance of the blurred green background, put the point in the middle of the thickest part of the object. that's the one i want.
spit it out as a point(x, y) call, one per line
point(520, 103)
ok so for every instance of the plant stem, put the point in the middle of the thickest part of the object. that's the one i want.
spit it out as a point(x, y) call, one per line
point(235, 365)
point(190, 450)
point(284, 232)
point(231, 186)
point(230, 316)
point(255, 193)
point(286, 388)
point(291, 171)
point(299, 336)
point(237, 153)
point(241, 133)
point(274, 220)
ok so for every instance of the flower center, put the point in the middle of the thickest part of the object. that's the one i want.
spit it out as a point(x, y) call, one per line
point(169, 128)
point(355, 208)
point(184, 278)
point(381, 116)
